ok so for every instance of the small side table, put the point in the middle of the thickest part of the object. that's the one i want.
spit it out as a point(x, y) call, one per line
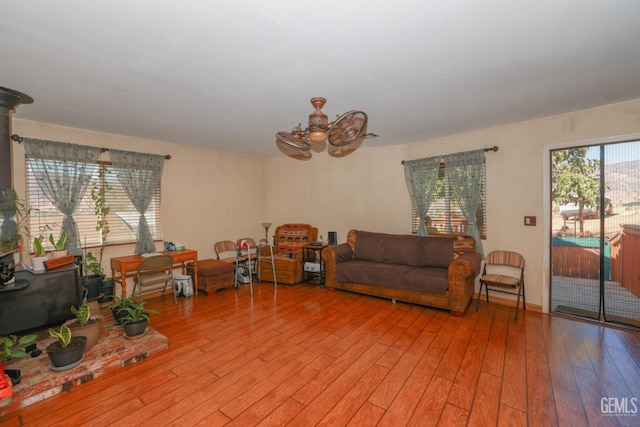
point(313, 268)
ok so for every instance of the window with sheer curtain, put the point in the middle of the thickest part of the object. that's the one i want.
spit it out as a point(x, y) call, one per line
point(123, 217)
point(445, 215)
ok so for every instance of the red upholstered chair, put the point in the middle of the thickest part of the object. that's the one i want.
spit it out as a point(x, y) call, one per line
point(288, 242)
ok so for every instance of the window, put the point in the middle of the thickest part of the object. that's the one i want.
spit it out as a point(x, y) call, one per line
point(122, 219)
point(444, 214)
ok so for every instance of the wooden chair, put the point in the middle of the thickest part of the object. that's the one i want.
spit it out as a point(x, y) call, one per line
point(155, 271)
point(503, 270)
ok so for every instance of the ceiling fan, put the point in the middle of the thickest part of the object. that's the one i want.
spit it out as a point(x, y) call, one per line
point(344, 134)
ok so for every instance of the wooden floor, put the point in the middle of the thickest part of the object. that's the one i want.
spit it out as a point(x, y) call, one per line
point(306, 356)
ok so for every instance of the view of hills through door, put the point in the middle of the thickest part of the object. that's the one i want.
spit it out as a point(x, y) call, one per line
point(595, 232)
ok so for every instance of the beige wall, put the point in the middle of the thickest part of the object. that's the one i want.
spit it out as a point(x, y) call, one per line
point(366, 190)
point(209, 195)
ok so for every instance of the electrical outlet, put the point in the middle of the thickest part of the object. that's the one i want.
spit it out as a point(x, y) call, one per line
point(530, 220)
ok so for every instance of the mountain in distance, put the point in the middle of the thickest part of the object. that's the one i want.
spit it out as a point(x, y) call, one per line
point(623, 180)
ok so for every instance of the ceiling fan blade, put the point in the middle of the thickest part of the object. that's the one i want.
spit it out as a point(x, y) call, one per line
point(349, 128)
point(292, 146)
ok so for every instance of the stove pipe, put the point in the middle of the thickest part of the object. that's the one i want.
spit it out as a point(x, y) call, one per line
point(9, 100)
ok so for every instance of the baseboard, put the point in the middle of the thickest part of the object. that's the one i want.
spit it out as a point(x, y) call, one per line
point(506, 301)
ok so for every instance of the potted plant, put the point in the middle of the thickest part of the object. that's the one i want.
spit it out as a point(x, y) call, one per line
point(23, 213)
point(11, 347)
point(67, 351)
point(59, 245)
point(93, 275)
point(101, 209)
point(136, 319)
point(85, 324)
point(118, 306)
point(37, 261)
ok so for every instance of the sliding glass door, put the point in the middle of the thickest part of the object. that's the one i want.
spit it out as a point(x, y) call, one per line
point(595, 236)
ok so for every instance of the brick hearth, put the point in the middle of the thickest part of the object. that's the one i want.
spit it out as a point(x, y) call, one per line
point(113, 351)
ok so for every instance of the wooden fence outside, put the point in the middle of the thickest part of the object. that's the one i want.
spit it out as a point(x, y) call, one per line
point(625, 258)
point(578, 257)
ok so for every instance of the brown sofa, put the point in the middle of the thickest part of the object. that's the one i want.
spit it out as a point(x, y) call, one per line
point(431, 270)
point(288, 242)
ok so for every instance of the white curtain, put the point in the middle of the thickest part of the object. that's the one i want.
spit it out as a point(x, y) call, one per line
point(139, 174)
point(63, 172)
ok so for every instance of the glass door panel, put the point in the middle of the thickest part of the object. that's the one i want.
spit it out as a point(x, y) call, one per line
point(622, 231)
point(595, 241)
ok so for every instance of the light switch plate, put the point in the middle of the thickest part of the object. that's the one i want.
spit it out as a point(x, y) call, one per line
point(530, 220)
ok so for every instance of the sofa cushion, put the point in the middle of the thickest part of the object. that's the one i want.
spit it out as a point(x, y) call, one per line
point(434, 280)
point(401, 249)
point(387, 248)
point(404, 249)
point(369, 246)
point(435, 251)
point(371, 273)
point(343, 252)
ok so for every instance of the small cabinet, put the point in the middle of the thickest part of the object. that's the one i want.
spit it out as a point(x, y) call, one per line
point(313, 267)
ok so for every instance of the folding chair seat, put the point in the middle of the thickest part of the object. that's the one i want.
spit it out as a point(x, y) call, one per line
point(152, 272)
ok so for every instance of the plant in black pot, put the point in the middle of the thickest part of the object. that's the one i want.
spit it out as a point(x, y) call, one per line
point(12, 347)
point(136, 319)
point(118, 306)
point(85, 324)
point(93, 275)
point(68, 351)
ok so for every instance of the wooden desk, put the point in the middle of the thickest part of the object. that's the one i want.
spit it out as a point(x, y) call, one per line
point(127, 266)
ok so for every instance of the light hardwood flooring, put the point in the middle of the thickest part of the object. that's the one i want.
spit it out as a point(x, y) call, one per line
point(305, 356)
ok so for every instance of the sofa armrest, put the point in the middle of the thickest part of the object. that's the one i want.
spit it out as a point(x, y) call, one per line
point(334, 255)
point(475, 259)
point(462, 275)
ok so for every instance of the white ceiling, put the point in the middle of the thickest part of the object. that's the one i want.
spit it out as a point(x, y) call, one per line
point(229, 74)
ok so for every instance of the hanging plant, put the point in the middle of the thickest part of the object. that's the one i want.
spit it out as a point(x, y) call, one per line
point(101, 208)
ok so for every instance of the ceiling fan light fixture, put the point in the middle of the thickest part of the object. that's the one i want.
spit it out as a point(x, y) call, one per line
point(318, 121)
point(346, 132)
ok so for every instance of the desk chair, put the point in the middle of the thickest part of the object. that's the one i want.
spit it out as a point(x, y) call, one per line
point(152, 272)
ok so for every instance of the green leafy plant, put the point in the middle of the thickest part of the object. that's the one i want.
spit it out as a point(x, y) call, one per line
point(121, 302)
point(12, 347)
point(136, 311)
point(101, 208)
point(63, 335)
point(62, 241)
point(83, 314)
point(23, 212)
point(91, 265)
point(38, 248)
